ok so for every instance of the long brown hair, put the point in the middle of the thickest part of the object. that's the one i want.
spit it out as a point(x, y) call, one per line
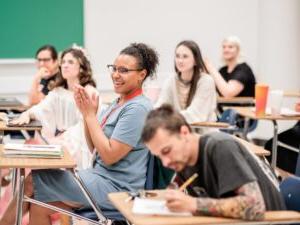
point(199, 67)
point(85, 74)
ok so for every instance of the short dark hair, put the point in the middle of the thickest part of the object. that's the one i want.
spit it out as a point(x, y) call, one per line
point(146, 56)
point(85, 74)
point(198, 68)
point(165, 117)
point(50, 48)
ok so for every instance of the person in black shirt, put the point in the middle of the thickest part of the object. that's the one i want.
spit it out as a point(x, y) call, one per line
point(235, 79)
point(44, 79)
point(232, 181)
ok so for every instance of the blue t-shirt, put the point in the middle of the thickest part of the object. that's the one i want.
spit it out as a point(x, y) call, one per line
point(125, 124)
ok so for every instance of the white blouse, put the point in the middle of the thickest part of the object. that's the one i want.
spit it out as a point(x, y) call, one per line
point(58, 112)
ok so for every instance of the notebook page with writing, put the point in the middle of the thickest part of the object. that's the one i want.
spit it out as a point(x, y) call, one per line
point(154, 207)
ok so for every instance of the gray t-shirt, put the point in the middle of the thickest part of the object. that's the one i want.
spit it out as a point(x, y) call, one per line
point(125, 125)
point(224, 165)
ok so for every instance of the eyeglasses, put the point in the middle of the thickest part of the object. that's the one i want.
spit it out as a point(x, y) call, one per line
point(121, 70)
point(43, 59)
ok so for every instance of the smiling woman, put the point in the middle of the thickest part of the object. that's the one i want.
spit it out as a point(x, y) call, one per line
point(122, 158)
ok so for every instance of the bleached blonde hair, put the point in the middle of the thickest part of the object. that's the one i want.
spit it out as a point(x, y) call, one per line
point(235, 40)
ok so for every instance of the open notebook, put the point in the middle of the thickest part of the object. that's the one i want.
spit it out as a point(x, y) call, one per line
point(146, 206)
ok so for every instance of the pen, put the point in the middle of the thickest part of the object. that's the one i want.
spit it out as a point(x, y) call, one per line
point(188, 182)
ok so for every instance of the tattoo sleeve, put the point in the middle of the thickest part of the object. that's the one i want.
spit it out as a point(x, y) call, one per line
point(248, 204)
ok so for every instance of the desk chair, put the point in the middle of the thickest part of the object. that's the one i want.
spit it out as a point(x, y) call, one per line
point(290, 189)
point(232, 117)
point(114, 216)
point(297, 171)
point(95, 215)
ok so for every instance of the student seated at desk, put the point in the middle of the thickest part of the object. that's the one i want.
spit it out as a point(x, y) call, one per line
point(287, 158)
point(191, 90)
point(58, 113)
point(232, 181)
point(236, 78)
point(48, 68)
point(122, 158)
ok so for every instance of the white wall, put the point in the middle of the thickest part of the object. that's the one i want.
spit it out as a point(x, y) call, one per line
point(269, 30)
point(112, 25)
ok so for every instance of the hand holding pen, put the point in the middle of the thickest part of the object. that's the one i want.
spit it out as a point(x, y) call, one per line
point(178, 201)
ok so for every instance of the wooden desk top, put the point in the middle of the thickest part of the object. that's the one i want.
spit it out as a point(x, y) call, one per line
point(211, 124)
point(14, 108)
point(118, 200)
point(236, 100)
point(3, 127)
point(249, 112)
point(295, 94)
point(257, 150)
point(65, 162)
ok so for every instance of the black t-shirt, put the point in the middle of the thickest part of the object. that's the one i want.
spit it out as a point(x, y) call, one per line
point(224, 165)
point(242, 73)
point(45, 84)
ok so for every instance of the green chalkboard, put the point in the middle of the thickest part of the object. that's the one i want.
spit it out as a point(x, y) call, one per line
point(25, 25)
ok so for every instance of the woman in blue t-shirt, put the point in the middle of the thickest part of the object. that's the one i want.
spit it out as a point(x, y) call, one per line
point(121, 157)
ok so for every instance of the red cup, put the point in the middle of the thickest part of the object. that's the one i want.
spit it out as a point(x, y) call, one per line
point(261, 95)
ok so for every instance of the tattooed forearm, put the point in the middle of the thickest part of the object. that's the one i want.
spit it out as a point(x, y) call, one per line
point(248, 204)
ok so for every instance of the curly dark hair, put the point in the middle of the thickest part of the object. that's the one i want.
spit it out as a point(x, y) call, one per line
point(198, 68)
point(85, 74)
point(146, 56)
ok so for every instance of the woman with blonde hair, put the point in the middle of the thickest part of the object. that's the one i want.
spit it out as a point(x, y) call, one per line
point(235, 78)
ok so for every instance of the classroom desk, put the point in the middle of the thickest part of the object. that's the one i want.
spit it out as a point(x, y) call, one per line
point(219, 125)
point(4, 127)
point(257, 150)
point(271, 217)
point(249, 113)
point(293, 94)
point(20, 164)
point(11, 103)
point(249, 101)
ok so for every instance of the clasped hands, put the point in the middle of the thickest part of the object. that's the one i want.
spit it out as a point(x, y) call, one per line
point(87, 103)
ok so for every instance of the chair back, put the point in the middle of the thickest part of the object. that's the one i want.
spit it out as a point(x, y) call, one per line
point(290, 190)
point(297, 172)
point(150, 173)
point(233, 118)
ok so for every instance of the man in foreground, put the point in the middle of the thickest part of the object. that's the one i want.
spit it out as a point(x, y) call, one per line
point(232, 181)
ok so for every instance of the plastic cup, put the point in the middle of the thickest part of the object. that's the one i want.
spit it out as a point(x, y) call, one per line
point(261, 95)
point(275, 101)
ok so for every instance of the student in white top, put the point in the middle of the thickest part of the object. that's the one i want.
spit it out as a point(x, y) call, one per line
point(58, 113)
point(191, 91)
